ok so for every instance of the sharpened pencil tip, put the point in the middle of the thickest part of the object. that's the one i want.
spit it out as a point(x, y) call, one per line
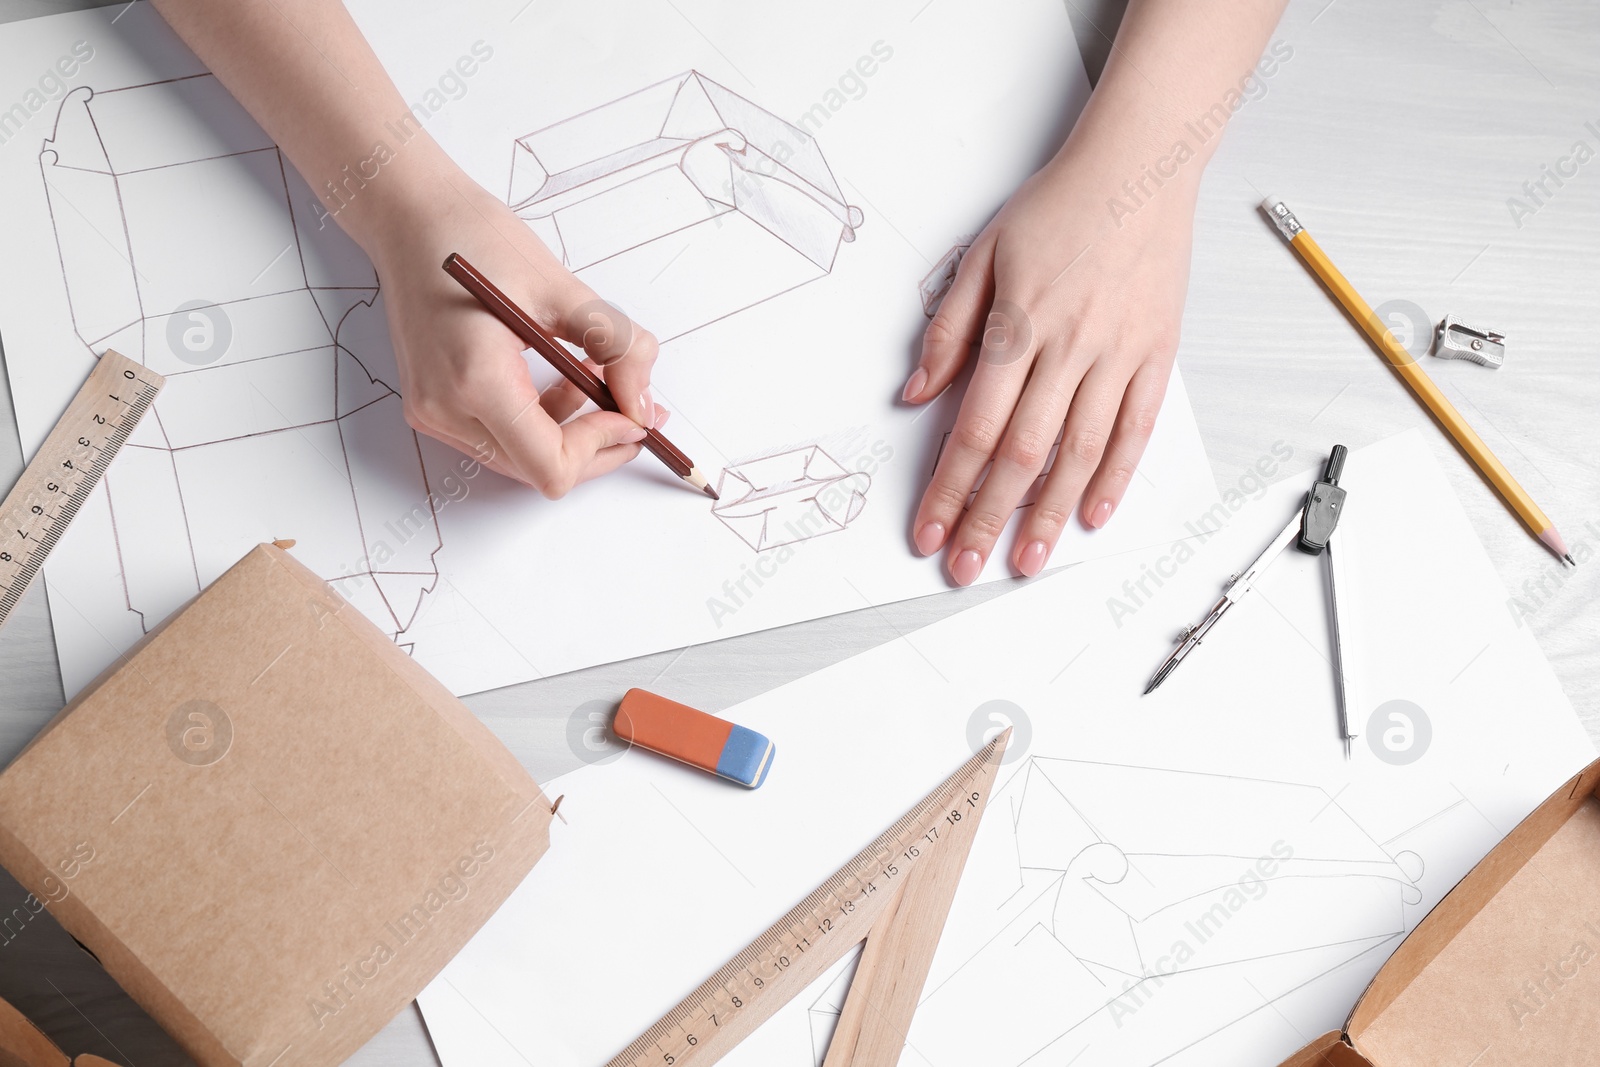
point(701, 482)
point(1570, 560)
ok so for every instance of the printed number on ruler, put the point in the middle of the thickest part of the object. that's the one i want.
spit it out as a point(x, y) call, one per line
point(68, 466)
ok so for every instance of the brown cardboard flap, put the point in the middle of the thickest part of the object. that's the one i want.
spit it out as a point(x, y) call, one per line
point(1506, 969)
point(1329, 1050)
point(271, 826)
point(23, 1044)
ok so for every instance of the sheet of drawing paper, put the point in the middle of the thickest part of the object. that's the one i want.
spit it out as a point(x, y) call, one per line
point(1193, 877)
point(780, 196)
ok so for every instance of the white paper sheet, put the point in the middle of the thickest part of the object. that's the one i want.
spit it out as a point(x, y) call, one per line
point(1193, 877)
point(774, 195)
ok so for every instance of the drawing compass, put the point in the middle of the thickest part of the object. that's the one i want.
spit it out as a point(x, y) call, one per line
point(1312, 529)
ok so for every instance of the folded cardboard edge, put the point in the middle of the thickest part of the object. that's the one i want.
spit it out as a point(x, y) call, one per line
point(115, 957)
point(1470, 895)
point(446, 703)
point(1447, 919)
point(1329, 1050)
point(24, 1044)
point(101, 679)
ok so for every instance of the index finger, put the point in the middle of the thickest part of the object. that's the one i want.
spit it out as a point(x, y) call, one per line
point(1004, 362)
point(616, 343)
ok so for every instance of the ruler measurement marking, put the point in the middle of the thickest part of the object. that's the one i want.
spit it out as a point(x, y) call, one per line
point(25, 544)
point(745, 977)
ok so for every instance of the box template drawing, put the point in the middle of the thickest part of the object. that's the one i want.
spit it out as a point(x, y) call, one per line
point(270, 825)
point(683, 202)
point(137, 197)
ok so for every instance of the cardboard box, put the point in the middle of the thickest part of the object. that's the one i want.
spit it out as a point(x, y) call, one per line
point(1506, 969)
point(270, 825)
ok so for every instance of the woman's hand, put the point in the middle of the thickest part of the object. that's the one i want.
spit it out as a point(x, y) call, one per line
point(308, 76)
point(462, 373)
point(1075, 315)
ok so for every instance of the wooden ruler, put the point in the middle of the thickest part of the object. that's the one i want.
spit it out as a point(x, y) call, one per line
point(67, 467)
point(895, 894)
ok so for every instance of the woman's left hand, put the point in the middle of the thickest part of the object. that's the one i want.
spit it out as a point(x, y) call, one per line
point(1074, 311)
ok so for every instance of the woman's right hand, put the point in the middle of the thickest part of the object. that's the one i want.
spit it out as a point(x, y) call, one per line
point(463, 376)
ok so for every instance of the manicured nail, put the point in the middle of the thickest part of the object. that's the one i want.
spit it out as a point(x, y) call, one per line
point(662, 415)
point(647, 406)
point(914, 384)
point(633, 436)
point(966, 567)
point(1031, 562)
point(930, 538)
point(1101, 512)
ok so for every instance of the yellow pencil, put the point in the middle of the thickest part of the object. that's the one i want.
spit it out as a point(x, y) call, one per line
point(1422, 385)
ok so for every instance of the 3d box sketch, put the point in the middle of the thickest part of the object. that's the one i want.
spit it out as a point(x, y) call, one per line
point(684, 202)
point(193, 247)
point(789, 497)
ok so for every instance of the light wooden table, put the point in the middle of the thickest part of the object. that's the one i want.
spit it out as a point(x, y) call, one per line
point(1397, 131)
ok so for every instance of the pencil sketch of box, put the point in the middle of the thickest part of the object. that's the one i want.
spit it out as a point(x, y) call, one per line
point(683, 202)
point(790, 497)
point(188, 243)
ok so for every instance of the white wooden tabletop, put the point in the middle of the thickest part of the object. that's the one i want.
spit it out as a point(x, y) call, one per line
point(1399, 133)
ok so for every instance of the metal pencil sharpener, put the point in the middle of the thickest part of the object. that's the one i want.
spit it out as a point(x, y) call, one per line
point(1457, 340)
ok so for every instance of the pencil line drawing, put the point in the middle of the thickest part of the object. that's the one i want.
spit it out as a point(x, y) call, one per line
point(789, 497)
point(188, 243)
point(1108, 928)
point(684, 202)
point(1029, 495)
point(937, 282)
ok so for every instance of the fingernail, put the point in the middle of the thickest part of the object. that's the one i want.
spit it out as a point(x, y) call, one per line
point(965, 567)
point(662, 415)
point(1101, 512)
point(633, 436)
point(914, 384)
point(930, 538)
point(646, 406)
point(1031, 562)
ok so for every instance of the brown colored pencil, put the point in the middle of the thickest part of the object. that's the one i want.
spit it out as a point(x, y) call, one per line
point(535, 337)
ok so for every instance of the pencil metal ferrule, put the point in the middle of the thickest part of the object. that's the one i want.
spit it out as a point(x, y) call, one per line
point(1282, 217)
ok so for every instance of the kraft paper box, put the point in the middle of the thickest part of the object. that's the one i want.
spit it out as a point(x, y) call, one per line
point(1505, 971)
point(269, 824)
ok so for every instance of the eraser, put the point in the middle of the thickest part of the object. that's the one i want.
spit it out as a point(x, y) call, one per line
point(691, 736)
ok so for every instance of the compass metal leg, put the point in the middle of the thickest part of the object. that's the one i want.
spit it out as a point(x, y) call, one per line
point(1338, 597)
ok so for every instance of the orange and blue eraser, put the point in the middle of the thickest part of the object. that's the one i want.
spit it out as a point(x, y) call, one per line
point(690, 736)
